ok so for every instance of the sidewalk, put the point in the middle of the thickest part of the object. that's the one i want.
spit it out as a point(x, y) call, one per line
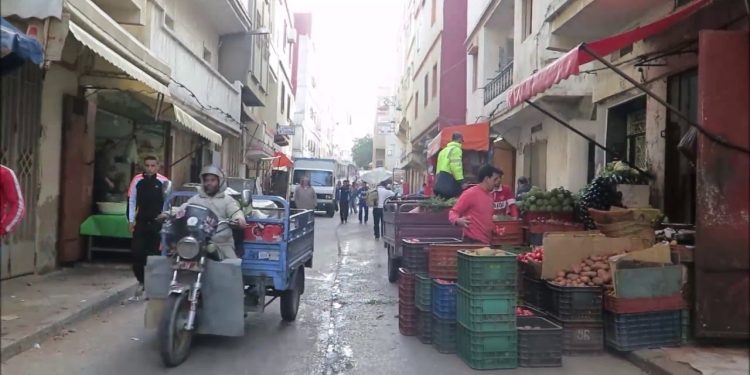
point(35, 308)
point(692, 360)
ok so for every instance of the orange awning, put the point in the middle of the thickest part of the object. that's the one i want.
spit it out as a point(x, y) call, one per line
point(281, 161)
point(476, 138)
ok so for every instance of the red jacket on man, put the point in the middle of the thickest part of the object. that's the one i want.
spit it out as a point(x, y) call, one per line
point(11, 201)
point(505, 201)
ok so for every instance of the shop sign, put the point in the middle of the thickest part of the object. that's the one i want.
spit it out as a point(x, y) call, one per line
point(285, 130)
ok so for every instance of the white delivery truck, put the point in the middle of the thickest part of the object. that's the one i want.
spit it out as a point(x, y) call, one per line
point(322, 179)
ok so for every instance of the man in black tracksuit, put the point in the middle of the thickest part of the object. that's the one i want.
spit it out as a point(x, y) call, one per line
point(145, 203)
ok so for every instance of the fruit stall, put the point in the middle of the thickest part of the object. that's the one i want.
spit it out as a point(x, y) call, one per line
point(612, 279)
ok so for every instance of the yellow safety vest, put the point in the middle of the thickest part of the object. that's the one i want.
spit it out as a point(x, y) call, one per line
point(450, 159)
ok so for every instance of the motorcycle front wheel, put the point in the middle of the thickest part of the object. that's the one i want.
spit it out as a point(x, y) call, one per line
point(174, 340)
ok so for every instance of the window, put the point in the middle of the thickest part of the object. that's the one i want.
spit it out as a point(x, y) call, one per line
point(434, 80)
point(283, 95)
point(317, 178)
point(426, 88)
point(528, 18)
point(434, 12)
point(626, 132)
point(168, 22)
point(475, 71)
point(416, 105)
point(206, 55)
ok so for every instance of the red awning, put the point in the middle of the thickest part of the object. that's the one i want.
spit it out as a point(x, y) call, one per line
point(281, 161)
point(476, 138)
point(568, 65)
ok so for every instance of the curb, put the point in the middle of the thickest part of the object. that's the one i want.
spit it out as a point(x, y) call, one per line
point(49, 330)
point(655, 362)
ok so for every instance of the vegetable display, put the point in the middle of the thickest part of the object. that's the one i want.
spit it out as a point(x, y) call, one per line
point(535, 255)
point(503, 218)
point(521, 311)
point(437, 203)
point(602, 193)
point(591, 272)
point(555, 200)
point(485, 252)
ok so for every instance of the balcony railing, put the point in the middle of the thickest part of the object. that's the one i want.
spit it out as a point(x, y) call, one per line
point(499, 84)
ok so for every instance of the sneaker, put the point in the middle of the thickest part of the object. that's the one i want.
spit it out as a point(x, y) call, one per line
point(139, 291)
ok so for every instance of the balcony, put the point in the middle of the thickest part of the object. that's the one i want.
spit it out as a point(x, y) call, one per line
point(575, 21)
point(126, 12)
point(195, 81)
point(499, 84)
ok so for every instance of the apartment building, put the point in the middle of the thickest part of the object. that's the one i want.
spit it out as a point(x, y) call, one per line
point(432, 90)
point(386, 145)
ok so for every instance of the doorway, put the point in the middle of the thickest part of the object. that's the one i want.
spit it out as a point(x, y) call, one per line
point(679, 179)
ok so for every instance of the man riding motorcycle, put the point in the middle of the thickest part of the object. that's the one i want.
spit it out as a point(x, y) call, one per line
point(212, 195)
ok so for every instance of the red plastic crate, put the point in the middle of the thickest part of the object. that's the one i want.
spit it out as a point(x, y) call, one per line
point(643, 305)
point(443, 260)
point(406, 284)
point(508, 232)
point(546, 216)
point(407, 319)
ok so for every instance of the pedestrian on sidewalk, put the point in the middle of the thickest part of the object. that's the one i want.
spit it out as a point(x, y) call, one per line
point(364, 209)
point(383, 193)
point(474, 209)
point(344, 194)
point(145, 203)
point(304, 195)
point(12, 208)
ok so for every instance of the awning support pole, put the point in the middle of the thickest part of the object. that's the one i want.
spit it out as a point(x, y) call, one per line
point(586, 137)
point(663, 102)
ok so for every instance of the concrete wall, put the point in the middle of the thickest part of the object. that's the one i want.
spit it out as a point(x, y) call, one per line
point(452, 82)
point(57, 82)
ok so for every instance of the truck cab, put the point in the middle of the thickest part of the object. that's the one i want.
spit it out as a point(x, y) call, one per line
point(322, 179)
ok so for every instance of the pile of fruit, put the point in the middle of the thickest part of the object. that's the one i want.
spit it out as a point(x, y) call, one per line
point(437, 203)
point(593, 271)
point(535, 255)
point(555, 200)
point(602, 193)
point(521, 311)
point(485, 252)
point(503, 218)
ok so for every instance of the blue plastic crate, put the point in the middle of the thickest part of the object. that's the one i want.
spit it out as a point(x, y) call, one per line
point(444, 299)
point(628, 332)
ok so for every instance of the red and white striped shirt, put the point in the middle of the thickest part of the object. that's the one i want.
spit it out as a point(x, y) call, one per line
point(12, 206)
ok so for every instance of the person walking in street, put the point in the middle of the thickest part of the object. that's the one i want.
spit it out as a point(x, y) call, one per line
point(474, 209)
point(304, 195)
point(344, 195)
point(450, 171)
point(353, 200)
point(336, 196)
point(145, 202)
point(364, 209)
point(12, 207)
point(383, 193)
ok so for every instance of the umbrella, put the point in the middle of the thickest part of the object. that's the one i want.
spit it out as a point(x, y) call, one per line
point(376, 176)
point(17, 47)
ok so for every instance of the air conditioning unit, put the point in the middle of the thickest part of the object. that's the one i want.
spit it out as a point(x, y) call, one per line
point(291, 36)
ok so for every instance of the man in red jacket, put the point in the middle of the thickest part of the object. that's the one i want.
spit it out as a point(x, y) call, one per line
point(505, 201)
point(474, 208)
point(11, 201)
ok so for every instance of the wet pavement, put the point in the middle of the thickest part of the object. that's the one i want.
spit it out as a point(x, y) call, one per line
point(347, 324)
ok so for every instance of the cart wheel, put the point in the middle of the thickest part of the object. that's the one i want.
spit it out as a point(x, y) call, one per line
point(174, 340)
point(290, 298)
point(393, 264)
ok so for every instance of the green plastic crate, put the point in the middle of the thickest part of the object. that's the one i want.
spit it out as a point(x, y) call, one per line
point(487, 274)
point(520, 249)
point(486, 312)
point(487, 350)
point(444, 335)
point(423, 292)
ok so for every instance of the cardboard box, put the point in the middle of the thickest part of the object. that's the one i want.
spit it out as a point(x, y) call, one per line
point(635, 196)
point(563, 249)
point(646, 273)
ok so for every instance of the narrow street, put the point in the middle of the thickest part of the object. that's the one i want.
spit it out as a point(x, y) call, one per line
point(347, 325)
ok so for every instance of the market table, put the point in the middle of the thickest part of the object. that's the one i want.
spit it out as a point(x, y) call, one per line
point(113, 226)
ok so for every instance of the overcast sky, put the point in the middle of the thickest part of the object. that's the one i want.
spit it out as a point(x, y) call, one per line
point(356, 44)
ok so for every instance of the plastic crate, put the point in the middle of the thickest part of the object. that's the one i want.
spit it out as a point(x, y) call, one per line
point(443, 260)
point(406, 284)
point(407, 319)
point(486, 312)
point(516, 249)
point(444, 334)
point(444, 299)
point(581, 338)
point(507, 233)
point(583, 304)
point(423, 292)
point(535, 239)
point(536, 293)
point(424, 326)
point(687, 327)
point(481, 274)
point(414, 256)
point(539, 342)
point(643, 305)
point(487, 350)
point(628, 332)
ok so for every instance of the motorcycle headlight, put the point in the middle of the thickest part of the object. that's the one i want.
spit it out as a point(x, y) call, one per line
point(188, 248)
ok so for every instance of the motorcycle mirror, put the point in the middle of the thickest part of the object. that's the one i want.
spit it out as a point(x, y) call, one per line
point(166, 189)
point(247, 198)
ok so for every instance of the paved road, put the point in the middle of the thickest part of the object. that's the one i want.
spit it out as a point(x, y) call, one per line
point(347, 325)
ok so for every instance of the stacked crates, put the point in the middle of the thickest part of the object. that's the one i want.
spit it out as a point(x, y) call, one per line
point(444, 315)
point(407, 310)
point(641, 323)
point(486, 301)
point(579, 311)
point(423, 304)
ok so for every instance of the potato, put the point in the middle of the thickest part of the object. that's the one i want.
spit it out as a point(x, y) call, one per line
point(585, 279)
point(572, 276)
point(589, 273)
point(587, 268)
point(597, 281)
point(600, 273)
point(485, 251)
point(589, 262)
point(561, 274)
point(606, 277)
point(590, 283)
point(576, 268)
point(598, 266)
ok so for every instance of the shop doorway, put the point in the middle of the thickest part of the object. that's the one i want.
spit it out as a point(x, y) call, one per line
point(504, 157)
point(679, 179)
point(535, 163)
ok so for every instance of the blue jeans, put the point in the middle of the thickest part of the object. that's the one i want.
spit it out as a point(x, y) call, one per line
point(363, 209)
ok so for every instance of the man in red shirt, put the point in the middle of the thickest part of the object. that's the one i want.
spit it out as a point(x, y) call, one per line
point(474, 209)
point(505, 201)
point(11, 201)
